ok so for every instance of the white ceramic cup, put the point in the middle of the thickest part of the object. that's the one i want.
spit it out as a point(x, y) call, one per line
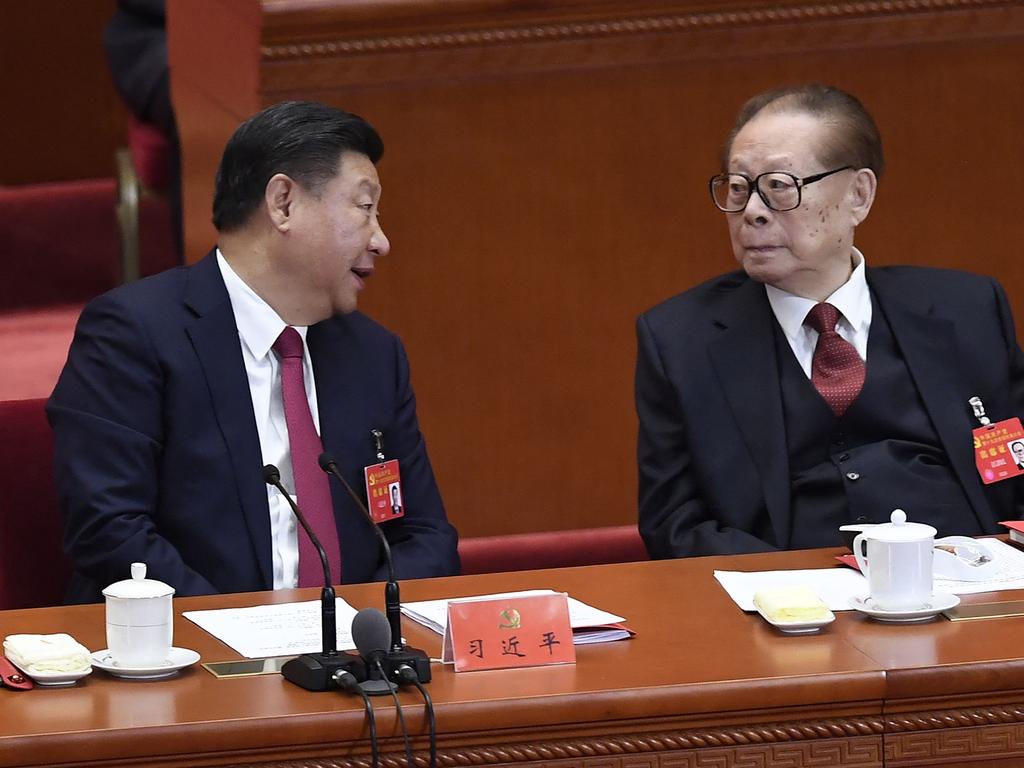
point(896, 559)
point(140, 622)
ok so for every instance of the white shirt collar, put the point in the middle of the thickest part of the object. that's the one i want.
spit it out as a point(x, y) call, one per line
point(258, 324)
point(852, 299)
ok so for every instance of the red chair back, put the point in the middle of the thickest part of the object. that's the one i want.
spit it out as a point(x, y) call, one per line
point(551, 549)
point(33, 568)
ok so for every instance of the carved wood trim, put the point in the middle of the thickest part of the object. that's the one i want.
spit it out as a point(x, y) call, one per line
point(845, 741)
point(953, 736)
point(622, 27)
point(955, 746)
point(954, 718)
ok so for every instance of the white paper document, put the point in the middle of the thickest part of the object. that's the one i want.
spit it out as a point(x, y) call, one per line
point(586, 621)
point(1003, 569)
point(288, 629)
point(835, 586)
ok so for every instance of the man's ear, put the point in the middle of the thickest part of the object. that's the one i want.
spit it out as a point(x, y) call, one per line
point(279, 197)
point(862, 194)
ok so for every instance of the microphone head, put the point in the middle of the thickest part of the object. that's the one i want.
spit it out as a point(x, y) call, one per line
point(325, 461)
point(371, 632)
point(271, 475)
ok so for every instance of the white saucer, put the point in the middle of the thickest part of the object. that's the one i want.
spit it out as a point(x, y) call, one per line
point(798, 627)
point(941, 601)
point(178, 659)
point(55, 679)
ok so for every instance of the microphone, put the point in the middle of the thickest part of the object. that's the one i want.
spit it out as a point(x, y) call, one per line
point(371, 632)
point(398, 655)
point(317, 671)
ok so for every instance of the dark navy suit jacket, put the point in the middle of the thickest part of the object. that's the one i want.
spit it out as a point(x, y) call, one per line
point(712, 444)
point(157, 456)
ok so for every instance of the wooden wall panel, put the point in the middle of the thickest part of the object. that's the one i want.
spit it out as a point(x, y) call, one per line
point(545, 182)
point(63, 120)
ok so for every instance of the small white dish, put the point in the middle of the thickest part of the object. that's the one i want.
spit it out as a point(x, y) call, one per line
point(54, 679)
point(178, 659)
point(798, 627)
point(940, 601)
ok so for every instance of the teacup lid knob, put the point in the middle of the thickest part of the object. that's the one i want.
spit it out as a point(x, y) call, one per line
point(138, 585)
point(898, 517)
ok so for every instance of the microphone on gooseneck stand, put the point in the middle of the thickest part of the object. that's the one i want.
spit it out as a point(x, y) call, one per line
point(398, 655)
point(317, 671)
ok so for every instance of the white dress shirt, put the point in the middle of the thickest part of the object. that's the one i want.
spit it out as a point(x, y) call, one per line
point(258, 328)
point(852, 299)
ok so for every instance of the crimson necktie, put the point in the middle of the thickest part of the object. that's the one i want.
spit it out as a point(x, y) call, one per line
point(837, 371)
point(311, 484)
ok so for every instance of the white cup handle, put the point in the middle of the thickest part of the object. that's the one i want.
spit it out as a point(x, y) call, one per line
point(858, 547)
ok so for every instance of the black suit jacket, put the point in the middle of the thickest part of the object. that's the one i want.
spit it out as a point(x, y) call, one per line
point(713, 461)
point(157, 456)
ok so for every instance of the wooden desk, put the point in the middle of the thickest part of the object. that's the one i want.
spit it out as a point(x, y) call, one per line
point(702, 684)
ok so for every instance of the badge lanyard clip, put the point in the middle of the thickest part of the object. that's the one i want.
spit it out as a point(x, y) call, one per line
point(378, 442)
point(979, 411)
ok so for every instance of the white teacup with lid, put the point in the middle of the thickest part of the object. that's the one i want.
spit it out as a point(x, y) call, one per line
point(139, 620)
point(896, 558)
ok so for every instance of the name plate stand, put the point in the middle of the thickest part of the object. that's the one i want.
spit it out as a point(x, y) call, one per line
point(503, 633)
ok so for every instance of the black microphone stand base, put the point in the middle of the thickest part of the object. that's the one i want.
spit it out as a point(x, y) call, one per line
point(315, 671)
point(410, 657)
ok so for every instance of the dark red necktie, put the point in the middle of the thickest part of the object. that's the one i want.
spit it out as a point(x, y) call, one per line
point(837, 371)
point(311, 484)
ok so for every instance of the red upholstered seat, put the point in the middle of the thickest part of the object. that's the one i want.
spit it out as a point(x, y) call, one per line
point(33, 568)
point(60, 242)
point(551, 549)
point(151, 154)
point(36, 341)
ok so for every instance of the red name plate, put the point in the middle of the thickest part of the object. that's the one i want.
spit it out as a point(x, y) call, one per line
point(509, 632)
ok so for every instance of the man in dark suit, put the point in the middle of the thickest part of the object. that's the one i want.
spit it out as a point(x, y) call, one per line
point(175, 393)
point(810, 391)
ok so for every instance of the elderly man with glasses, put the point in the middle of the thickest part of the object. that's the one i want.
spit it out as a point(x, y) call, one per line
point(809, 391)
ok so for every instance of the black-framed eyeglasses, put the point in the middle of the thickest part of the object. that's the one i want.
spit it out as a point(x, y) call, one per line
point(778, 190)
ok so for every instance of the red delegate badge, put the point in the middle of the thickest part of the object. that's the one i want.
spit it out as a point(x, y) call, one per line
point(384, 491)
point(999, 450)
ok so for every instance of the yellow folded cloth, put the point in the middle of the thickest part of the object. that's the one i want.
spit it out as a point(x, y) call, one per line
point(42, 654)
point(791, 604)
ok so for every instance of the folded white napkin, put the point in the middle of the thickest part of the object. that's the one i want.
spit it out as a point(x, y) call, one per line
point(47, 653)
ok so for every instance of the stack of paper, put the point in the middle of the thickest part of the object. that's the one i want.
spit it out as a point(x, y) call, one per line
point(589, 624)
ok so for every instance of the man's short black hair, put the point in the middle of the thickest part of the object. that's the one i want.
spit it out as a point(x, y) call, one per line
point(301, 139)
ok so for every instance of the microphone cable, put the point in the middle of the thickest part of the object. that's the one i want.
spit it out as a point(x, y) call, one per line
point(407, 674)
point(409, 759)
point(348, 682)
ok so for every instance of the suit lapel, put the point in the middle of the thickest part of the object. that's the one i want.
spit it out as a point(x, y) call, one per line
point(927, 343)
point(744, 359)
point(214, 336)
point(327, 347)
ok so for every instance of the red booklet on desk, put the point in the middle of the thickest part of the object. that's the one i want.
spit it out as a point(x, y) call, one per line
point(849, 560)
point(589, 625)
point(1016, 530)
